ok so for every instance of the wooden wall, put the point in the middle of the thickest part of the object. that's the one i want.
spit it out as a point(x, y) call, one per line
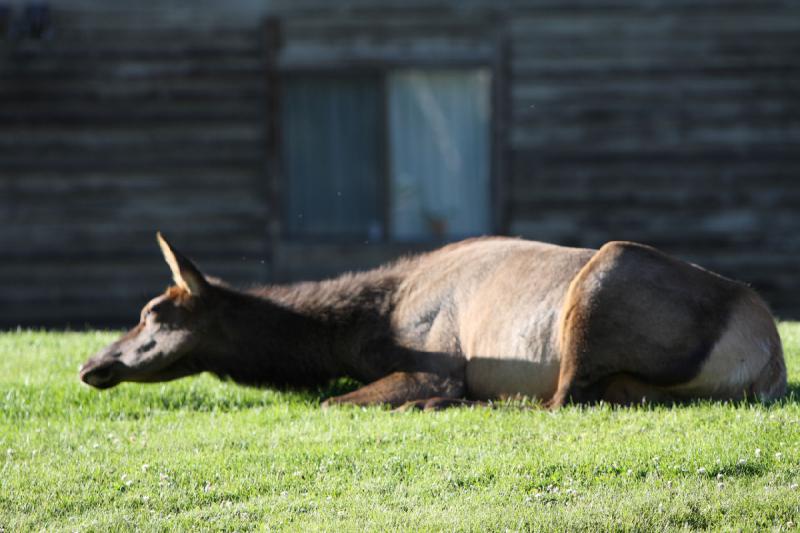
point(671, 123)
point(113, 129)
point(675, 123)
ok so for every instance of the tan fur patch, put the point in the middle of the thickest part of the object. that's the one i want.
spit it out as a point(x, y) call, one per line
point(747, 360)
point(179, 295)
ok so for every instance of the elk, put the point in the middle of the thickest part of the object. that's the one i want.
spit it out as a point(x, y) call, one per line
point(477, 320)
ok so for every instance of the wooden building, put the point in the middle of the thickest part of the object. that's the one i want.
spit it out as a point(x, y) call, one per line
point(290, 139)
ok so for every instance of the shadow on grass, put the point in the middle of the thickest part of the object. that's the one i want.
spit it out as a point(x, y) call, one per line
point(238, 398)
point(337, 387)
point(244, 398)
point(792, 396)
point(345, 385)
point(740, 469)
point(135, 401)
point(792, 393)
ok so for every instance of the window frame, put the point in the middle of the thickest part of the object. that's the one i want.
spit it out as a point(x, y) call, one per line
point(481, 43)
point(381, 70)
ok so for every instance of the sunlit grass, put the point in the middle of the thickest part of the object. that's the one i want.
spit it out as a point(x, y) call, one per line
point(204, 454)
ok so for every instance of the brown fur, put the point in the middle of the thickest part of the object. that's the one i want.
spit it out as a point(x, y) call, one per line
point(664, 315)
point(475, 320)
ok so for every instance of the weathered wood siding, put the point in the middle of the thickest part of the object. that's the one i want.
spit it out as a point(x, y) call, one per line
point(671, 123)
point(675, 123)
point(113, 129)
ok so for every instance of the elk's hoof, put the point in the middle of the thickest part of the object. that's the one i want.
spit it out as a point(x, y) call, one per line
point(413, 405)
point(327, 403)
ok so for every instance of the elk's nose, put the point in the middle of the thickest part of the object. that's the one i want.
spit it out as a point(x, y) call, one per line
point(100, 374)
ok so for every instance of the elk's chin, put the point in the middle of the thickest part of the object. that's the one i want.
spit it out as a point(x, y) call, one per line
point(176, 370)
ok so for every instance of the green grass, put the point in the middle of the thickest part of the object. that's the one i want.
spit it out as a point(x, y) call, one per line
point(204, 454)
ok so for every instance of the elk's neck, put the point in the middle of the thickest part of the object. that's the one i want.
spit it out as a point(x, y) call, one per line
point(309, 333)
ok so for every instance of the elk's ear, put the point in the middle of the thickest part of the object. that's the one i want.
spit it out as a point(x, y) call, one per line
point(184, 272)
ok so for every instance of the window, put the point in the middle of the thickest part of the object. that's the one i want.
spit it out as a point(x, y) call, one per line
point(332, 156)
point(403, 155)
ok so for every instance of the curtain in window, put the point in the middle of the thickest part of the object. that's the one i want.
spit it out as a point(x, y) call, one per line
point(332, 156)
point(439, 146)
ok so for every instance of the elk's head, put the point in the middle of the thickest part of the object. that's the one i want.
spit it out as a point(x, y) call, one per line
point(168, 339)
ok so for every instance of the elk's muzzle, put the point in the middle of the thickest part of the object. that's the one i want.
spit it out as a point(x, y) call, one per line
point(102, 372)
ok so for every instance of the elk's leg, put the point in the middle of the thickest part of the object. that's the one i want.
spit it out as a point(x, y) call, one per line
point(575, 390)
point(438, 403)
point(400, 387)
point(619, 389)
point(624, 389)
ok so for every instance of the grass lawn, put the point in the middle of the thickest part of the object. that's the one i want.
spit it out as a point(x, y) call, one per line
point(204, 454)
